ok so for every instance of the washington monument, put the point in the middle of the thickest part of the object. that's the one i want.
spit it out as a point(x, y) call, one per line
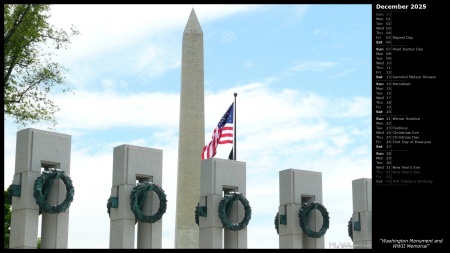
point(191, 134)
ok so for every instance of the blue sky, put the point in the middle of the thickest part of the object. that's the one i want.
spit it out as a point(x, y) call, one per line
point(303, 78)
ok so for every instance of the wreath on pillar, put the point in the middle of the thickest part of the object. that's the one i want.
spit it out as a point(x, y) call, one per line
point(349, 228)
point(138, 195)
point(304, 214)
point(42, 186)
point(276, 223)
point(200, 211)
point(197, 214)
point(225, 207)
point(113, 202)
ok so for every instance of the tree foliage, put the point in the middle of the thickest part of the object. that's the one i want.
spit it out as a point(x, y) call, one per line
point(7, 215)
point(29, 72)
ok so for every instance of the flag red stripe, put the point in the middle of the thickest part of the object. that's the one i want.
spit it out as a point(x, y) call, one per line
point(222, 134)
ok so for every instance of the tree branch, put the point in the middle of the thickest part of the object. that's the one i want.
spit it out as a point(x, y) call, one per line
point(16, 25)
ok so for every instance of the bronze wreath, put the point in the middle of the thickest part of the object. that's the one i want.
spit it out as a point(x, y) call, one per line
point(200, 211)
point(113, 202)
point(197, 214)
point(42, 187)
point(350, 229)
point(137, 197)
point(225, 207)
point(276, 223)
point(304, 213)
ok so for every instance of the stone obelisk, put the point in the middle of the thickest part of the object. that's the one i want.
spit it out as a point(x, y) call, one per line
point(191, 134)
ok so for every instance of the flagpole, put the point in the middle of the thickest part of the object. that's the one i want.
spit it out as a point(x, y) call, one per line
point(234, 128)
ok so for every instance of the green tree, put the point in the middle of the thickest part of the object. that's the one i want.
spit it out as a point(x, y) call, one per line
point(7, 215)
point(29, 72)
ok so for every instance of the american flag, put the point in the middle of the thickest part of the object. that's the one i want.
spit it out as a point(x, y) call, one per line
point(222, 134)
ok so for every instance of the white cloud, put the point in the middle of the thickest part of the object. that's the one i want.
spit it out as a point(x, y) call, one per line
point(312, 65)
point(355, 107)
point(143, 22)
point(102, 110)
